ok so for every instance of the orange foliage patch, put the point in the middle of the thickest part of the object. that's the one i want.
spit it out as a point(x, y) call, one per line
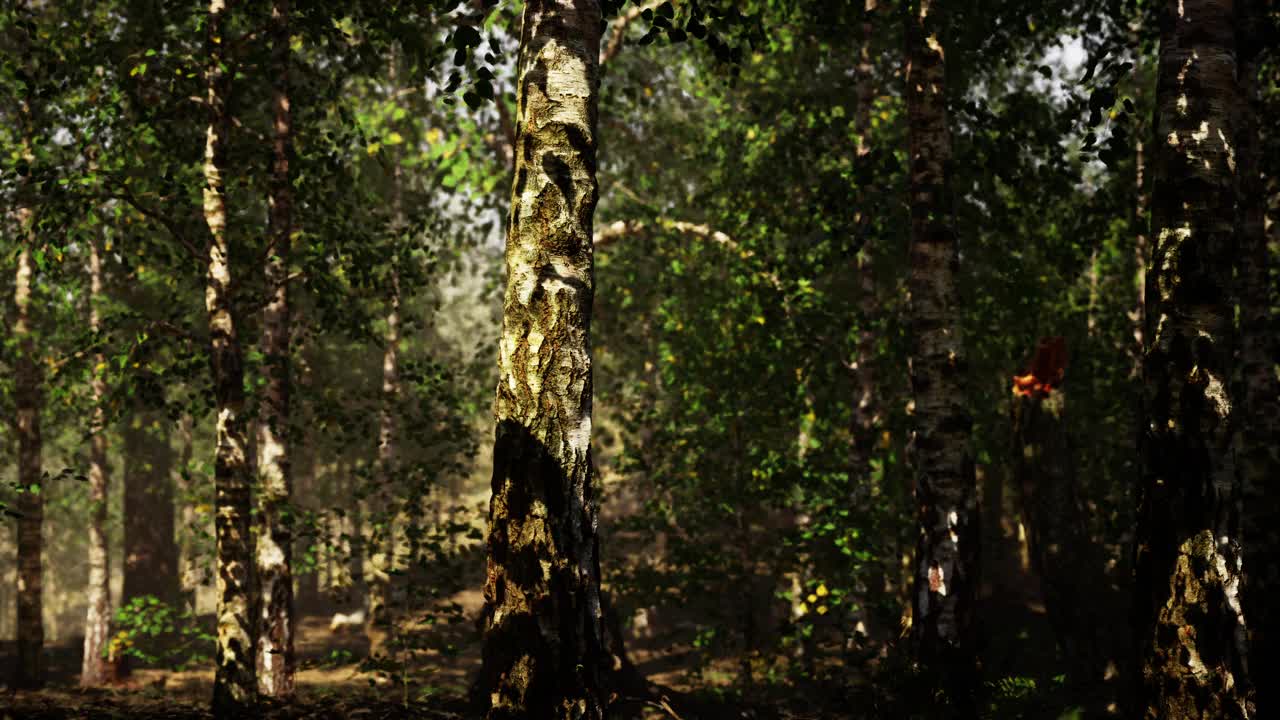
point(1047, 369)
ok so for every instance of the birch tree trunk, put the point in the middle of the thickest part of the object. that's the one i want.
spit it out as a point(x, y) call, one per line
point(1259, 352)
point(544, 649)
point(30, 666)
point(276, 662)
point(382, 535)
point(946, 564)
point(1190, 627)
point(97, 623)
point(235, 685)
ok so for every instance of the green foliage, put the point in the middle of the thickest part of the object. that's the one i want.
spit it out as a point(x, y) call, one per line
point(157, 633)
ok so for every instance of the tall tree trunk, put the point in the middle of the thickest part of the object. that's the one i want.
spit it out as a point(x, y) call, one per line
point(1190, 628)
point(30, 666)
point(866, 413)
point(235, 685)
point(275, 538)
point(97, 623)
point(382, 525)
point(544, 647)
point(381, 536)
point(150, 554)
point(1259, 353)
point(946, 573)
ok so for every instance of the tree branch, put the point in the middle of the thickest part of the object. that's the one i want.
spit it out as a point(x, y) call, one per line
point(165, 221)
point(620, 229)
point(619, 31)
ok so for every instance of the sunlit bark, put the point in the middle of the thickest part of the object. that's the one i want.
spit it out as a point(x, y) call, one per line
point(235, 684)
point(544, 647)
point(97, 623)
point(274, 554)
point(946, 563)
point(1188, 618)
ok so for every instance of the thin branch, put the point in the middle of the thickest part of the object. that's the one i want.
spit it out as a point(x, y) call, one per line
point(165, 221)
point(619, 31)
point(622, 228)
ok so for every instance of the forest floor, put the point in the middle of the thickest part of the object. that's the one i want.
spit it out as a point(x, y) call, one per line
point(332, 682)
point(1017, 656)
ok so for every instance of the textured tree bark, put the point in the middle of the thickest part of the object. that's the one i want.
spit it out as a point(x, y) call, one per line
point(1190, 627)
point(235, 684)
point(94, 669)
point(544, 647)
point(276, 662)
point(1259, 352)
point(1062, 552)
point(29, 670)
point(946, 572)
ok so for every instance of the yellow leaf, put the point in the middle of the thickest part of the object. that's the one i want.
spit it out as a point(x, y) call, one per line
point(822, 591)
point(822, 609)
point(812, 598)
point(803, 608)
point(751, 134)
point(394, 138)
point(373, 148)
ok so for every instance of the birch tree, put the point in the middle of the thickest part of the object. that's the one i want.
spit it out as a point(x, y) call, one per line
point(1190, 627)
point(235, 685)
point(275, 656)
point(947, 553)
point(544, 646)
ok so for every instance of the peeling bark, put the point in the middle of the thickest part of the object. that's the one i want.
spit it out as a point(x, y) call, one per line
point(235, 684)
point(274, 554)
point(94, 669)
point(946, 573)
point(1188, 618)
point(29, 668)
point(544, 646)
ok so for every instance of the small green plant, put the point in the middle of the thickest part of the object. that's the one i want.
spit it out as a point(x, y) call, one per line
point(157, 633)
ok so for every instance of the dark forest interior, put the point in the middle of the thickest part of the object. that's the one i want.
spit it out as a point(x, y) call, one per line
point(639, 359)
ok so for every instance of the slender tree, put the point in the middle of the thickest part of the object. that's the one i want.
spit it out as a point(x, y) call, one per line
point(1190, 628)
point(382, 532)
point(235, 685)
point(946, 563)
point(97, 623)
point(29, 666)
point(866, 417)
point(544, 647)
point(275, 538)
